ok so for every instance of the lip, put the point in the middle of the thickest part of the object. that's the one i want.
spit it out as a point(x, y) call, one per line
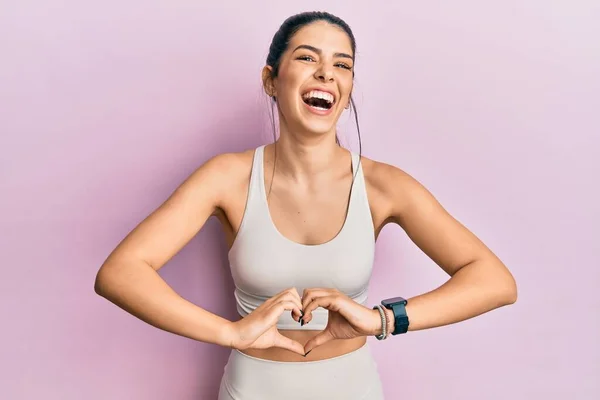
point(314, 110)
point(322, 89)
point(318, 112)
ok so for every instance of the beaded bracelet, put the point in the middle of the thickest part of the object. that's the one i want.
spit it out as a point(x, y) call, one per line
point(383, 334)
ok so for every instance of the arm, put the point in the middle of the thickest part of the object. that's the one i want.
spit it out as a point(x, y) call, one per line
point(479, 282)
point(129, 277)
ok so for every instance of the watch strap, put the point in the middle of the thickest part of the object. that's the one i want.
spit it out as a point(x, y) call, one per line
point(400, 318)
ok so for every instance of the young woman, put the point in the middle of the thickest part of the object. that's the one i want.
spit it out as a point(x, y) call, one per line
point(302, 216)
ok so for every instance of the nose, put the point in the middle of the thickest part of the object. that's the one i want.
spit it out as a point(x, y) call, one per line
point(325, 73)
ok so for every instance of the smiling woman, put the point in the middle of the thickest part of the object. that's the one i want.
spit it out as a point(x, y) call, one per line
point(301, 253)
point(307, 45)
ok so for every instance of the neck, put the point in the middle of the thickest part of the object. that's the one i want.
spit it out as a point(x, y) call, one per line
point(302, 156)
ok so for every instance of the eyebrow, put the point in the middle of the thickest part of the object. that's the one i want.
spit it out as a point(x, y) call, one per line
point(319, 51)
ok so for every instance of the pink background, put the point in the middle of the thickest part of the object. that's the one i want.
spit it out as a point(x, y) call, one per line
point(105, 107)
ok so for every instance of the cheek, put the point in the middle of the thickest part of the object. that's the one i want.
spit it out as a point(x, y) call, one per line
point(289, 79)
point(346, 92)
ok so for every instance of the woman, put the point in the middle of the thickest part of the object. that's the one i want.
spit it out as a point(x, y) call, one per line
point(302, 216)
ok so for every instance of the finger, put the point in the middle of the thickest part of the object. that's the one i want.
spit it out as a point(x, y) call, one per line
point(296, 314)
point(309, 294)
point(327, 302)
point(295, 293)
point(289, 344)
point(320, 339)
point(275, 311)
point(290, 293)
point(296, 311)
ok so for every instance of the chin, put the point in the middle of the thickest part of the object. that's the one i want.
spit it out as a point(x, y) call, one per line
point(317, 128)
point(317, 124)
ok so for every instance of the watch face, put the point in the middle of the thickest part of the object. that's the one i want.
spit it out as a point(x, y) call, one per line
point(393, 300)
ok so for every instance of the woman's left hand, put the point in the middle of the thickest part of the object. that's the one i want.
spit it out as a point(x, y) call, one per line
point(347, 318)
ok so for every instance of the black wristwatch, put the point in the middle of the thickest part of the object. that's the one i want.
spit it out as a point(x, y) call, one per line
point(398, 306)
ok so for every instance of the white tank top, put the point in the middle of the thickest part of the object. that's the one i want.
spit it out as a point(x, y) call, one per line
point(264, 262)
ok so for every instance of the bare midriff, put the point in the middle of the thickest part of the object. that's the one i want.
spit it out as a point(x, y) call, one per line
point(333, 348)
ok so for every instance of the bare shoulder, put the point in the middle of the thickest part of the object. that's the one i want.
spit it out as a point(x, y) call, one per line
point(225, 171)
point(229, 165)
point(405, 201)
point(394, 191)
point(218, 175)
point(382, 175)
point(168, 228)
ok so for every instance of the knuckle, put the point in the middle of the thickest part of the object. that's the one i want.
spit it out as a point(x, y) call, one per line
point(292, 299)
point(283, 297)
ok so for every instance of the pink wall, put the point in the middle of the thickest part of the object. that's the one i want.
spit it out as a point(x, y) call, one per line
point(105, 107)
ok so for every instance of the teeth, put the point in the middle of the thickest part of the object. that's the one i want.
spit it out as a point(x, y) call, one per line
point(319, 94)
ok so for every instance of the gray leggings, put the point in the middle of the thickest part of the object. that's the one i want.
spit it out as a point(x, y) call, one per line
point(352, 376)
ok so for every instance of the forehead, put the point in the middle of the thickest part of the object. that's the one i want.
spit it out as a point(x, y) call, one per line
point(323, 35)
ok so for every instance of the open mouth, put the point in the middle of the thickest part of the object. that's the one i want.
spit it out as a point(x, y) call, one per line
point(319, 100)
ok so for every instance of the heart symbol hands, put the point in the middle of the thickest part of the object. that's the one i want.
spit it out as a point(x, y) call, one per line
point(347, 319)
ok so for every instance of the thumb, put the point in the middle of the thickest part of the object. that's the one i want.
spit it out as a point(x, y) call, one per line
point(320, 339)
point(288, 344)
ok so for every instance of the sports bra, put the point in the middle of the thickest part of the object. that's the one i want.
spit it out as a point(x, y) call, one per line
point(263, 262)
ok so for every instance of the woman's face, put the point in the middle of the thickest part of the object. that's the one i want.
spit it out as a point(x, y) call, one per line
point(315, 78)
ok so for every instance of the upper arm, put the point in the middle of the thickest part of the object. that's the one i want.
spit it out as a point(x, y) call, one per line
point(175, 222)
point(437, 233)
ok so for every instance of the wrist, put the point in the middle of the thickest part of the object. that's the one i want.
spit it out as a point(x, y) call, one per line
point(227, 335)
point(395, 310)
point(391, 321)
point(377, 323)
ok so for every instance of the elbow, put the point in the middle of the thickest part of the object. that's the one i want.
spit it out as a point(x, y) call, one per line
point(503, 285)
point(513, 295)
point(114, 276)
point(104, 280)
point(510, 297)
point(99, 283)
point(508, 293)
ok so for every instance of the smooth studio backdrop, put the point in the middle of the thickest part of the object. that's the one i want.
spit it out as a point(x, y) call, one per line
point(106, 106)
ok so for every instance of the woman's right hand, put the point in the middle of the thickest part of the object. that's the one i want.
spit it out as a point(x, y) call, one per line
point(258, 330)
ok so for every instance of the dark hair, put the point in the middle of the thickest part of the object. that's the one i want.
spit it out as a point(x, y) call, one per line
point(280, 43)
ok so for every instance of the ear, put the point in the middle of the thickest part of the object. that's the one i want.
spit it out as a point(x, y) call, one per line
point(268, 81)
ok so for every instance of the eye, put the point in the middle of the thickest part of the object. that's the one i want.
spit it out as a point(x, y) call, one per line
point(305, 58)
point(343, 65)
